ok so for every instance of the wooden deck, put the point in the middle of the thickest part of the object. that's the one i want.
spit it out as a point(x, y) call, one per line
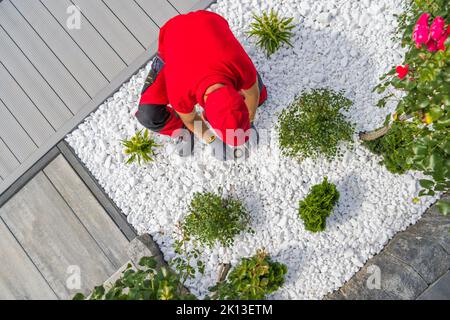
point(52, 229)
point(53, 76)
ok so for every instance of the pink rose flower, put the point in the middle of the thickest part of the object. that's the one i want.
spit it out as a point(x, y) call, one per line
point(437, 28)
point(441, 42)
point(421, 33)
point(432, 46)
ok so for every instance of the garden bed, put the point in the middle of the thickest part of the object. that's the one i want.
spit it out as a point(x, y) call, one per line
point(338, 44)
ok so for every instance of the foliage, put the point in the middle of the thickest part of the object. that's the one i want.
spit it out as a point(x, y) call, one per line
point(426, 98)
point(271, 31)
point(215, 219)
point(318, 205)
point(183, 264)
point(252, 279)
point(313, 125)
point(415, 8)
point(140, 148)
point(395, 146)
point(145, 283)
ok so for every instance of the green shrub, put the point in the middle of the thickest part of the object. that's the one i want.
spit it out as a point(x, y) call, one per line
point(395, 147)
point(425, 97)
point(145, 283)
point(313, 125)
point(272, 31)
point(214, 219)
point(318, 205)
point(253, 279)
point(140, 148)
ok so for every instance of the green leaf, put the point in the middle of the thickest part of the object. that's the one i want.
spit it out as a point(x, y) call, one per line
point(149, 262)
point(79, 296)
point(444, 207)
point(427, 184)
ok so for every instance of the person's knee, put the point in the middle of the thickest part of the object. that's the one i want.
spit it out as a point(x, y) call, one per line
point(152, 116)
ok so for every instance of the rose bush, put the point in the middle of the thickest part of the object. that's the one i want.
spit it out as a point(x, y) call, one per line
point(424, 78)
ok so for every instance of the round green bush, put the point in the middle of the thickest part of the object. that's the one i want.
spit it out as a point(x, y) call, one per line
point(318, 205)
point(214, 219)
point(313, 125)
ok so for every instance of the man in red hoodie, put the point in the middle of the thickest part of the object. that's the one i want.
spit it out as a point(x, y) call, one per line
point(200, 61)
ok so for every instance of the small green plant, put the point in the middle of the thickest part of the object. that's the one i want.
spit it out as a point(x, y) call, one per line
point(145, 283)
point(140, 148)
point(396, 146)
point(272, 31)
point(188, 261)
point(215, 219)
point(313, 125)
point(253, 279)
point(318, 205)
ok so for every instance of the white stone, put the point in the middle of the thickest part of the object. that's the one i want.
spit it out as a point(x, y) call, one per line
point(324, 17)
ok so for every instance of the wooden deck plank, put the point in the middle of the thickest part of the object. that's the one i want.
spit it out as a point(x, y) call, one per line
point(111, 29)
point(30, 79)
point(88, 210)
point(31, 119)
point(90, 41)
point(123, 76)
point(42, 57)
point(184, 6)
point(135, 19)
point(14, 135)
point(67, 51)
point(7, 160)
point(159, 10)
point(19, 278)
point(54, 238)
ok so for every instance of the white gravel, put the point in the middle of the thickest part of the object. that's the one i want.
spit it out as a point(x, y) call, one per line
point(338, 44)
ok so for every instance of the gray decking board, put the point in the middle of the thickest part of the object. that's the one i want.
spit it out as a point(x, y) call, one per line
point(89, 40)
point(94, 187)
point(8, 162)
point(88, 210)
point(14, 135)
point(28, 77)
point(159, 10)
point(15, 267)
point(135, 20)
point(42, 57)
point(54, 238)
point(123, 76)
point(184, 6)
point(111, 29)
point(23, 109)
point(67, 51)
